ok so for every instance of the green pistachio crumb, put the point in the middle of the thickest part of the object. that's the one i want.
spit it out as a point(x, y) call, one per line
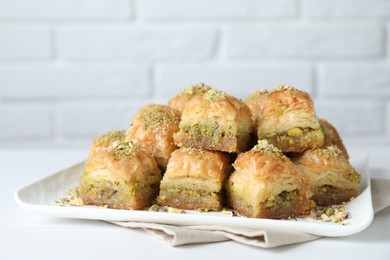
point(199, 88)
point(121, 149)
point(264, 146)
point(215, 95)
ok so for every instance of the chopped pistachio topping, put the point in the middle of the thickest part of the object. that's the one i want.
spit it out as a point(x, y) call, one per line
point(191, 150)
point(331, 150)
point(255, 94)
point(284, 88)
point(121, 149)
point(264, 146)
point(355, 176)
point(199, 88)
point(215, 95)
point(159, 119)
point(113, 136)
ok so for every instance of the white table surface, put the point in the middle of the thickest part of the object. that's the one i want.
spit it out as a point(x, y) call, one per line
point(24, 235)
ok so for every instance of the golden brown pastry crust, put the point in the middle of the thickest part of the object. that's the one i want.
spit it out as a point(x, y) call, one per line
point(266, 184)
point(194, 180)
point(105, 140)
point(331, 176)
point(332, 137)
point(122, 176)
point(254, 100)
point(181, 99)
point(153, 128)
point(216, 121)
point(286, 118)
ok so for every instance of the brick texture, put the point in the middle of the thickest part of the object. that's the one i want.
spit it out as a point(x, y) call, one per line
point(346, 8)
point(352, 117)
point(13, 42)
point(24, 121)
point(238, 80)
point(73, 82)
point(91, 119)
point(73, 69)
point(129, 42)
point(217, 9)
point(315, 40)
point(362, 80)
point(65, 9)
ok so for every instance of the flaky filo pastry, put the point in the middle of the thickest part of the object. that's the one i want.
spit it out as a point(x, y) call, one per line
point(332, 137)
point(286, 118)
point(266, 184)
point(254, 101)
point(216, 121)
point(331, 176)
point(152, 128)
point(194, 180)
point(182, 98)
point(122, 176)
point(105, 140)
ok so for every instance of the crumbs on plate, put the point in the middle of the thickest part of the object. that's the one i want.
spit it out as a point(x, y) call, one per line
point(73, 199)
point(335, 214)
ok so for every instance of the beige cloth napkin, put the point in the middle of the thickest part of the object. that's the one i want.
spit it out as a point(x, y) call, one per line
point(182, 235)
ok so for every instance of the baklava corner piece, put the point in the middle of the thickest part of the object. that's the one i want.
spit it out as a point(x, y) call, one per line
point(332, 137)
point(194, 180)
point(152, 128)
point(182, 98)
point(216, 121)
point(332, 177)
point(266, 184)
point(105, 140)
point(286, 118)
point(122, 176)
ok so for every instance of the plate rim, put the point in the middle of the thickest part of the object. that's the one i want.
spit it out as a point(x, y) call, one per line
point(99, 213)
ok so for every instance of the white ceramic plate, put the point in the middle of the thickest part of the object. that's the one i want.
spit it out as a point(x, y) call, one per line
point(39, 197)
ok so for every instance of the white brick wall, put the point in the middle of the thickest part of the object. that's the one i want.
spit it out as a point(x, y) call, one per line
point(312, 40)
point(124, 42)
point(72, 69)
point(217, 9)
point(65, 9)
point(14, 39)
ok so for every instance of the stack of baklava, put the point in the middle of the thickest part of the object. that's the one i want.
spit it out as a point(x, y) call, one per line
point(268, 156)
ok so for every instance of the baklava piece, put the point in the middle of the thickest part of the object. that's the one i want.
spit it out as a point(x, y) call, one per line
point(266, 184)
point(254, 101)
point(194, 180)
point(123, 176)
point(180, 100)
point(153, 128)
point(332, 178)
point(216, 121)
point(286, 118)
point(105, 140)
point(332, 137)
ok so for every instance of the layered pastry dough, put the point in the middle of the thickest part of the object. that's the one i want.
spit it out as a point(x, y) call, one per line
point(266, 184)
point(332, 137)
point(331, 176)
point(254, 101)
point(122, 176)
point(194, 180)
point(286, 118)
point(180, 100)
point(153, 128)
point(216, 121)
